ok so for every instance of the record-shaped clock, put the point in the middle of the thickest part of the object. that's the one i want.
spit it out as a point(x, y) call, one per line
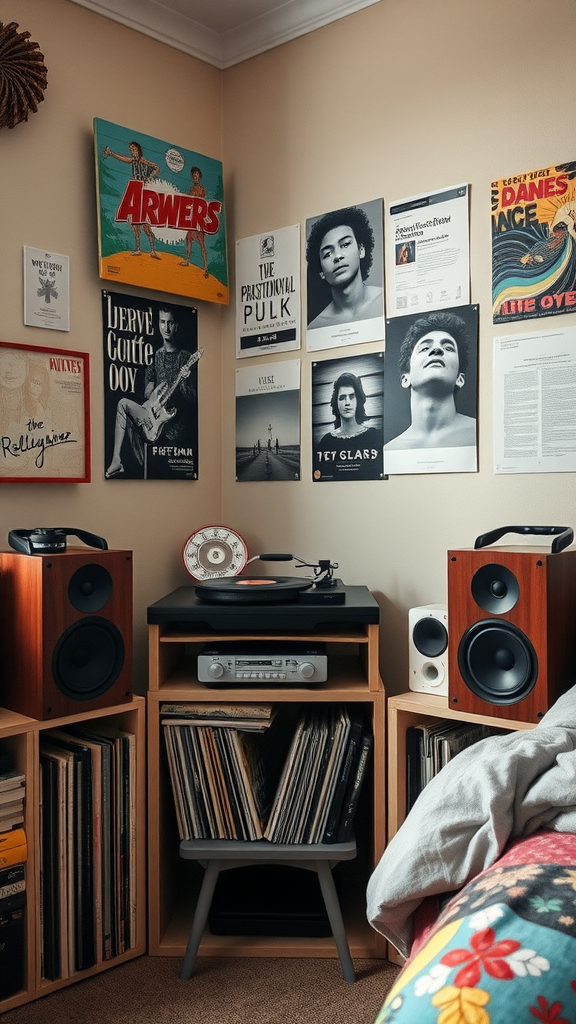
point(214, 551)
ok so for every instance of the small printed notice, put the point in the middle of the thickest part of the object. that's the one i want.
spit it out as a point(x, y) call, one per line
point(534, 399)
point(46, 289)
point(427, 259)
point(268, 292)
point(268, 421)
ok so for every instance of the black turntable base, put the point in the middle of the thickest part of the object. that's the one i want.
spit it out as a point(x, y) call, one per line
point(305, 611)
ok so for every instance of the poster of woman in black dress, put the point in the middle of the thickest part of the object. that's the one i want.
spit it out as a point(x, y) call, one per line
point(150, 389)
point(347, 431)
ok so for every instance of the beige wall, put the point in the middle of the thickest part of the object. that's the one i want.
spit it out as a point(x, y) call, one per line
point(97, 68)
point(406, 96)
point(403, 97)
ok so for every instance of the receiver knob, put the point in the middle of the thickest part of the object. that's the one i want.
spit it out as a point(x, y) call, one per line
point(306, 670)
point(215, 670)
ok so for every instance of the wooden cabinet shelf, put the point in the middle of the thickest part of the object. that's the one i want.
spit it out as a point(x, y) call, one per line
point(353, 678)
point(21, 736)
point(409, 709)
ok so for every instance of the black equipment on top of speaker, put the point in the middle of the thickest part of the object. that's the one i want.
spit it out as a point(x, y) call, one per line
point(65, 630)
point(51, 540)
point(512, 613)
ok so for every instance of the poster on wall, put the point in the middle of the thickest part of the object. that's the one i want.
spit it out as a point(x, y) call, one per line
point(268, 292)
point(534, 401)
point(150, 388)
point(347, 397)
point(534, 244)
point(268, 421)
point(161, 220)
point(46, 289)
point(430, 392)
point(427, 252)
point(345, 277)
point(44, 415)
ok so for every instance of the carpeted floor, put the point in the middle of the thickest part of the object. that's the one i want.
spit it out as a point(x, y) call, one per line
point(221, 991)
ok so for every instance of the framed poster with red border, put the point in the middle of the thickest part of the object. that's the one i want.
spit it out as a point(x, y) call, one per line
point(44, 415)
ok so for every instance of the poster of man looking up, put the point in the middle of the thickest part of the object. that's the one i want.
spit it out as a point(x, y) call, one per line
point(534, 244)
point(161, 222)
point(150, 388)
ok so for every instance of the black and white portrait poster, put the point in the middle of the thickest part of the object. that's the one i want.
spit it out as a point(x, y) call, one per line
point(150, 388)
point(268, 421)
point(345, 277)
point(430, 392)
point(268, 292)
point(347, 436)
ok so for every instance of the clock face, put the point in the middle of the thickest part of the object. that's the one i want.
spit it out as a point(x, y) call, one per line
point(214, 551)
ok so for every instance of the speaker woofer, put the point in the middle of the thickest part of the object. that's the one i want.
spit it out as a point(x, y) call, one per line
point(90, 588)
point(497, 661)
point(495, 589)
point(430, 637)
point(88, 658)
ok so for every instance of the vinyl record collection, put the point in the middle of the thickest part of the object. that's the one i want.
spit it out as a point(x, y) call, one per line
point(87, 828)
point(254, 772)
point(434, 742)
point(13, 857)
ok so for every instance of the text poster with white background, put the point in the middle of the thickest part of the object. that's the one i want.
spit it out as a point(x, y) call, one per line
point(268, 292)
point(534, 402)
point(427, 253)
point(46, 289)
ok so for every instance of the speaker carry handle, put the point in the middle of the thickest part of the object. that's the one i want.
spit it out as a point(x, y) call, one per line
point(563, 535)
point(21, 541)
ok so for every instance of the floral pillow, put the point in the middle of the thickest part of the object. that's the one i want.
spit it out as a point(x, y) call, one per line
point(504, 949)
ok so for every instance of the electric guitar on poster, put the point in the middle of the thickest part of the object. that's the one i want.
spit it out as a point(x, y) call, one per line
point(158, 415)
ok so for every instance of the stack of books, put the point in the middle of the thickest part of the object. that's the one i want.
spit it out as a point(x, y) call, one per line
point(12, 792)
point(13, 856)
point(253, 772)
point(87, 827)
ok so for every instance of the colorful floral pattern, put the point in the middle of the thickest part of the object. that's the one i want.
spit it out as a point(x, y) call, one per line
point(504, 949)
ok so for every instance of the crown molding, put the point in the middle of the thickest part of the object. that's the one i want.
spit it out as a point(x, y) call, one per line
point(288, 21)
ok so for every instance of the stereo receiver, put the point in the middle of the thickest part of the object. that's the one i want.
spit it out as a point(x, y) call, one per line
point(252, 663)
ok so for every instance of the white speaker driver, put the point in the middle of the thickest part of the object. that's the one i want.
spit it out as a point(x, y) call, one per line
point(428, 649)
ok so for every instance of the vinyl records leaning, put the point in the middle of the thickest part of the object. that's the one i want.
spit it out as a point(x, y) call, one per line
point(252, 589)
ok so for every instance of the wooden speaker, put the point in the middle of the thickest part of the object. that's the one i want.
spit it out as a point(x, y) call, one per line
point(65, 631)
point(512, 642)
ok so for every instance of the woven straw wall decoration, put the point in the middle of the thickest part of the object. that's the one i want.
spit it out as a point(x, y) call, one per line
point(23, 76)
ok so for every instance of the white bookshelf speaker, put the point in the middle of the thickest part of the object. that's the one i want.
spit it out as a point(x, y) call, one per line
point(428, 649)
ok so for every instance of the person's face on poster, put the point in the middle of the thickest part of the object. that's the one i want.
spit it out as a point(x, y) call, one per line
point(167, 326)
point(434, 359)
point(340, 256)
point(347, 404)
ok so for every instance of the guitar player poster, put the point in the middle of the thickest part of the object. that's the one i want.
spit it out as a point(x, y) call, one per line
point(150, 388)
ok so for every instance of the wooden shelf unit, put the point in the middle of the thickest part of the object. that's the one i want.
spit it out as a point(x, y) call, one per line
point(174, 883)
point(405, 710)
point(21, 736)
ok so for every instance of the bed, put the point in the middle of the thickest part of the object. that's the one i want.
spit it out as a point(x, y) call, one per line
point(478, 887)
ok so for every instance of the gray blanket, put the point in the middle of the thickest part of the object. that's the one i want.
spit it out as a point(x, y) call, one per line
point(500, 789)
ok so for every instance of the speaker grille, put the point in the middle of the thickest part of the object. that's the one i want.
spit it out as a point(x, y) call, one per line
point(88, 658)
point(497, 661)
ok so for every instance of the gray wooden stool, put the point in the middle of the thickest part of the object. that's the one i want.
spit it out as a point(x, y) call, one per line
point(216, 855)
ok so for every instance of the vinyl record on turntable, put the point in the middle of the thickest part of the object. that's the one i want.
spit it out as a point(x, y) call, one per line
point(214, 551)
point(253, 589)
